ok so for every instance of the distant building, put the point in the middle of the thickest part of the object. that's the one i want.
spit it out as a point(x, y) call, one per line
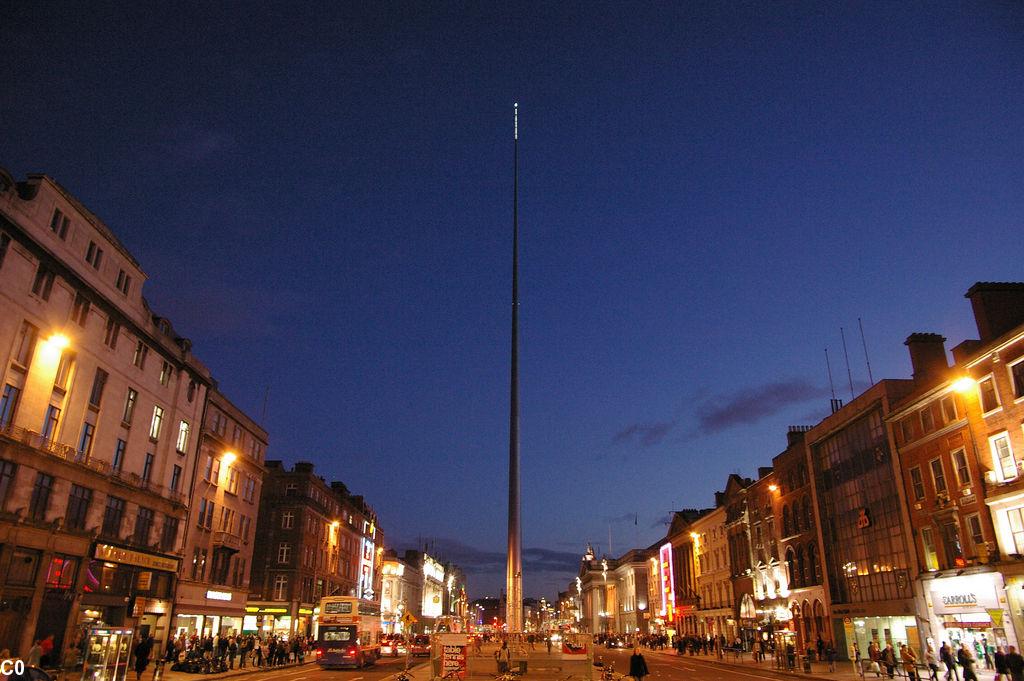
point(100, 406)
point(213, 585)
point(313, 539)
point(401, 594)
point(714, 588)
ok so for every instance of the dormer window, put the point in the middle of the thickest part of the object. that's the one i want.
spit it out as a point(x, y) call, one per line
point(59, 224)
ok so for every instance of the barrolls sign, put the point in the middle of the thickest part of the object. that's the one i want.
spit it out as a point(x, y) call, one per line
point(969, 593)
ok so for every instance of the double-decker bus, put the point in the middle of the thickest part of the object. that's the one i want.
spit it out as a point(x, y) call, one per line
point(349, 632)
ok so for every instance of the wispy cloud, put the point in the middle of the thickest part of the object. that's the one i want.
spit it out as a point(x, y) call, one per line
point(647, 434)
point(661, 522)
point(751, 405)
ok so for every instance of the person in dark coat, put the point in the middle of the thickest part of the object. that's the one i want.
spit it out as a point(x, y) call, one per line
point(966, 660)
point(637, 665)
point(142, 652)
point(1015, 664)
point(1002, 671)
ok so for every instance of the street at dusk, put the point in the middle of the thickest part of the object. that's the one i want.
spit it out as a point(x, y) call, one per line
point(333, 331)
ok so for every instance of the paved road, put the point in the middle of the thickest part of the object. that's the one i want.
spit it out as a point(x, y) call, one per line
point(384, 668)
point(696, 668)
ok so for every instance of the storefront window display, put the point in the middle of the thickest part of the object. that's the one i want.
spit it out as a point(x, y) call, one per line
point(968, 609)
point(885, 630)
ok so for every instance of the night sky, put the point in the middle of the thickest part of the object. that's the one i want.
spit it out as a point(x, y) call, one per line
point(322, 199)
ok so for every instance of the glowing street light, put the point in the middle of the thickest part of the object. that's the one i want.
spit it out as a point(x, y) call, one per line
point(229, 458)
point(964, 384)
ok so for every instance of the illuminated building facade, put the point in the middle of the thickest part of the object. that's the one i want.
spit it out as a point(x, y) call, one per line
point(100, 406)
point(714, 587)
point(313, 539)
point(401, 593)
point(679, 577)
point(213, 585)
point(737, 532)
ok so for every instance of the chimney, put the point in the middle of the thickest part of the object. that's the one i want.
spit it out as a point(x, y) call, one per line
point(796, 434)
point(998, 307)
point(927, 355)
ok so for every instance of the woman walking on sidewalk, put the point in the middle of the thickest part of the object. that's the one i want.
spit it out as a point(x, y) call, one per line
point(637, 665)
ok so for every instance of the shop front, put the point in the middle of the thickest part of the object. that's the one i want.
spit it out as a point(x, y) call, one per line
point(283, 620)
point(127, 587)
point(203, 611)
point(970, 609)
point(884, 622)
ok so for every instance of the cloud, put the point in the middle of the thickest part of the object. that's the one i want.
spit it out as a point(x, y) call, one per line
point(661, 522)
point(624, 518)
point(647, 434)
point(753, 404)
point(474, 560)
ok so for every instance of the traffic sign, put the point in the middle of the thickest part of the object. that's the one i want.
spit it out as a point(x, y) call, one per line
point(408, 619)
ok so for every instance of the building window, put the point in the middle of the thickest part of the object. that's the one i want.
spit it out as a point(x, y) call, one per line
point(927, 420)
point(1017, 378)
point(917, 483)
point(40, 500)
point(284, 552)
point(63, 378)
point(974, 530)
point(250, 489)
point(7, 471)
point(287, 520)
point(99, 382)
point(931, 558)
point(5, 243)
point(963, 471)
point(211, 473)
point(59, 224)
point(111, 334)
point(244, 525)
point(948, 404)
point(183, 433)
point(165, 373)
point(113, 514)
point(124, 282)
point(236, 436)
point(24, 566)
point(129, 406)
point(232, 481)
point(61, 575)
point(280, 587)
point(26, 345)
point(85, 441)
point(43, 282)
point(147, 468)
point(51, 422)
point(118, 461)
point(156, 423)
point(1016, 518)
point(199, 564)
point(94, 255)
point(938, 476)
point(176, 478)
point(227, 519)
point(143, 526)
point(989, 396)
point(140, 355)
point(1002, 456)
point(78, 507)
point(8, 404)
point(169, 534)
point(80, 310)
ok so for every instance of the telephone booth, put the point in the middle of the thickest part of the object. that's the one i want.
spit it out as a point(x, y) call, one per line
point(107, 654)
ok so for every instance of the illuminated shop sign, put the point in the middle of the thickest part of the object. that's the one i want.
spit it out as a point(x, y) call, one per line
point(969, 593)
point(366, 570)
point(668, 584)
point(218, 595)
point(432, 569)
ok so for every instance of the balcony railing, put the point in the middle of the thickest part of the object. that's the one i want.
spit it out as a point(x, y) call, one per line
point(227, 540)
point(71, 455)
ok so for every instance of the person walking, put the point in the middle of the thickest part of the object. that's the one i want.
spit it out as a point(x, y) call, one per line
point(35, 654)
point(504, 657)
point(966, 660)
point(946, 655)
point(889, 660)
point(1014, 664)
point(142, 652)
point(909, 658)
point(932, 660)
point(637, 665)
point(999, 658)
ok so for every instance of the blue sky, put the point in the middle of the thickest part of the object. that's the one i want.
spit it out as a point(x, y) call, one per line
point(709, 191)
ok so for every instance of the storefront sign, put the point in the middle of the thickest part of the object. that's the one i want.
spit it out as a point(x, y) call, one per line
point(453, 653)
point(305, 611)
point(218, 595)
point(969, 593)
point(129, 557)
point(996, 615)
point(145, 580)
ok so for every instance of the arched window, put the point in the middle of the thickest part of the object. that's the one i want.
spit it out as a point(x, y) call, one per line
point(791, 567)
point(786, 521)
point(808, 514)
point(796, 516)
point(801, 576)
point(813, 565)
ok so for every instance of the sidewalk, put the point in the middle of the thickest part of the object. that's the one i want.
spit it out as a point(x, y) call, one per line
point(845, 671)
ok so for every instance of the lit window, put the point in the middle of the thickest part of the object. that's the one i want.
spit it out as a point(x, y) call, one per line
point(183, 433)
point(931, 558)
point(63, 377)
point(988, 395)
point(1002, 457)
point(165, 373)
point(156, 423)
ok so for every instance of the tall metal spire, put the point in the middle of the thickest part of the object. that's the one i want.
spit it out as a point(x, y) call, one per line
point(514, 571)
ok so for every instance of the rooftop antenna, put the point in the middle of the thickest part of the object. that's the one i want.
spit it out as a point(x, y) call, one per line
point(867, 360)
point(609, 539)
point(849, 374)
point(266, 397)
point(828, 365)
point(514, 567)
